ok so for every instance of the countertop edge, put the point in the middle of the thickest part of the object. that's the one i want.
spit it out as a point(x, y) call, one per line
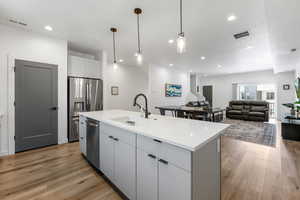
point(128, 128)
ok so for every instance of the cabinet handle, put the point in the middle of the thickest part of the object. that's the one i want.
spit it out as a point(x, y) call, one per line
point(155, 140)
point(163, 161)
point(111, 137)
point(116, 139)
point(152, 156)
point(81, 138)
point(93, 125)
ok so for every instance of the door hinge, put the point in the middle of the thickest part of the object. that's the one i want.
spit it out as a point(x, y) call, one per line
point(14, 137)
point(14, 69)
point(14, 103)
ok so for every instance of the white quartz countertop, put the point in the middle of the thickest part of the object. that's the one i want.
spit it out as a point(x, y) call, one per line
point(185, 133)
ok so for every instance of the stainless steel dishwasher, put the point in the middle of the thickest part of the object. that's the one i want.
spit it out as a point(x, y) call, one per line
point(92, 142)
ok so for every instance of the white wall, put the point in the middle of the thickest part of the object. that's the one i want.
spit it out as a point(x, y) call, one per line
point(20, 44)
point(222, 87)
point(130, 80)
point(298, 71)
point(158, 77)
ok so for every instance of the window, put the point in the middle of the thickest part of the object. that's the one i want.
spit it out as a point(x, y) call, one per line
point(247, 92)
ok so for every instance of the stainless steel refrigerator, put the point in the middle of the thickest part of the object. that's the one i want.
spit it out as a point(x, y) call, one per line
point(85, 94)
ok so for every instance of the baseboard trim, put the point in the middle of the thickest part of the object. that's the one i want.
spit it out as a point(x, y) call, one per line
point(63, 141)
point(5, 153)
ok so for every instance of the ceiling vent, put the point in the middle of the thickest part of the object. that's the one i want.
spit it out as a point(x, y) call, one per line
point(241, 35)
point(17, 22)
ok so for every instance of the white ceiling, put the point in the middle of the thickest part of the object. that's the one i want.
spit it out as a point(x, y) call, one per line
point(273, 25)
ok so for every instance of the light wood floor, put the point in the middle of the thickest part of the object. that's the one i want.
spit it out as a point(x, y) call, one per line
point(249, 171)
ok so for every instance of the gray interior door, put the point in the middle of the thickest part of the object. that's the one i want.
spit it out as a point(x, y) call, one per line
point(35, 105)
point(208, 94)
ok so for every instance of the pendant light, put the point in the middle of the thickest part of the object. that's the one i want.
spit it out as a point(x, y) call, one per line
point(138, 54)
point(181, 41)
point(115, 64)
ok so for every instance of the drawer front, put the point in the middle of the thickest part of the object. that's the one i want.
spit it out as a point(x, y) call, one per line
point(177, 156)
point(121, 134)
point(148, 145)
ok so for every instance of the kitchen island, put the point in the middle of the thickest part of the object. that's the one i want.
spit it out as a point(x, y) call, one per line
point(156, 158)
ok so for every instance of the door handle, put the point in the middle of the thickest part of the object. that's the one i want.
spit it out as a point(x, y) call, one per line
point(163, 161)
point(54, 108)
point(111, 137)
point(116, 139)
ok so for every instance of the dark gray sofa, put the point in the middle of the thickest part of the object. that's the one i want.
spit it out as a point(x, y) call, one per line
point(248, 110)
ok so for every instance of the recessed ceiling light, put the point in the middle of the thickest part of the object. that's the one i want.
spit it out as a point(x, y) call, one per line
point(202, 57)
point(249, 47)
point(219, 66)
point(231, 18)
point(171, 41)
point(171, 65)
point(121, 60)
point(48, 28)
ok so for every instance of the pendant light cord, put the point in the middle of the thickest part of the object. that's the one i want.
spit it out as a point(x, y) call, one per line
point(181, 28)
point(114, 44)
point(138, 31)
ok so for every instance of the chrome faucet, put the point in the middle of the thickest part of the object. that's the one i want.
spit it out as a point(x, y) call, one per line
point(145, 110)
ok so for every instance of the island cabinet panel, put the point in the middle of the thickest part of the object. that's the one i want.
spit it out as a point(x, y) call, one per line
point(166, 172)
point(125, 168)
point(174, 183)
point(118, 158)
point(163, 171)
point(82, 134)
point(147, 176)
point(206, 170)
point(106, 155)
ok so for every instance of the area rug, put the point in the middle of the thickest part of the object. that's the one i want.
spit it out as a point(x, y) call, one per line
point(249, 131)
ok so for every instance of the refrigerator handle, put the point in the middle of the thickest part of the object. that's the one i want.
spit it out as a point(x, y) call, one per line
point(87, 97)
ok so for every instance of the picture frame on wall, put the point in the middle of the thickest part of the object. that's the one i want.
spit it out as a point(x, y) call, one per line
point(114, 90)
point(173, 90)
point(286, 87)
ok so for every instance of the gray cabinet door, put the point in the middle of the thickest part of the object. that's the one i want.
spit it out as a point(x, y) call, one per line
point(36, 115)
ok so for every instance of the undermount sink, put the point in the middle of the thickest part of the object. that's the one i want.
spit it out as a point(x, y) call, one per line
point(128, 120)
point(131, 120)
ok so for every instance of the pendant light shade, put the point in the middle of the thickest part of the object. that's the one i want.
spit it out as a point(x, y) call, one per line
point(138, 54)
point(181, 41)
point(115, 64)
